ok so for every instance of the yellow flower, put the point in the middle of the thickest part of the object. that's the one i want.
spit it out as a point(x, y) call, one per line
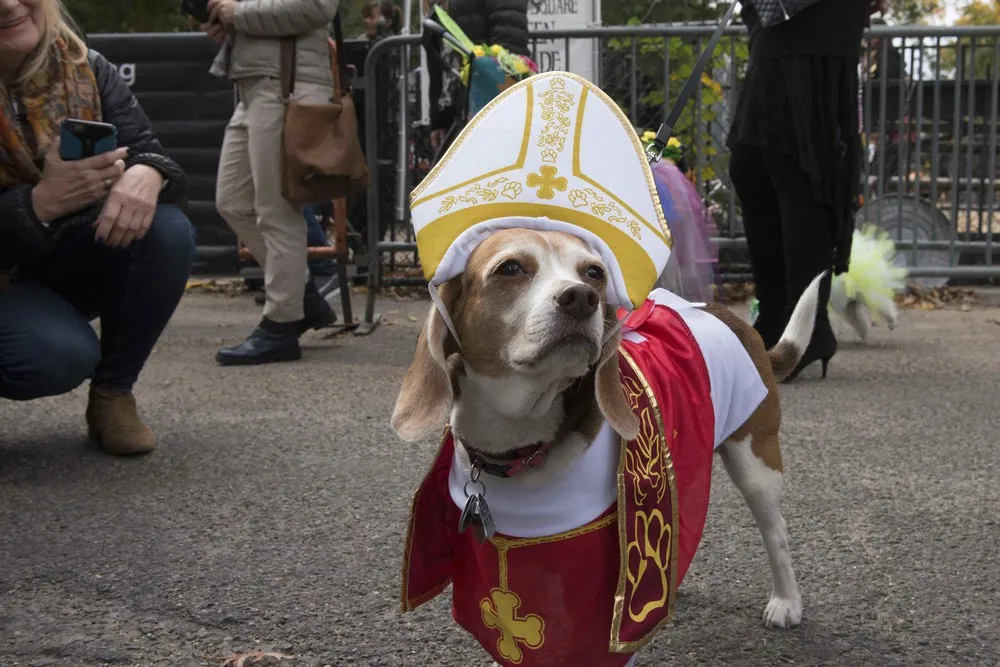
point(520, 67)
point(711, 83)
point(478, 51)
point(648, 135)
point(674, 142)
point(495, 50)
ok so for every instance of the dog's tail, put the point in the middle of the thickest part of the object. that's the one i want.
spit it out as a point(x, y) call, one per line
point(785, 356)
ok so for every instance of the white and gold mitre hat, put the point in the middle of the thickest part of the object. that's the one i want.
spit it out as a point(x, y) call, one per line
point(552, 152)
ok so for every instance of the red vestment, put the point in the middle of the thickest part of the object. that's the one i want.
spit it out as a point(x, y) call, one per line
point(591, 596)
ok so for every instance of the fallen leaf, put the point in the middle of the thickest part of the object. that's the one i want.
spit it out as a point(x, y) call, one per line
point(240, 660)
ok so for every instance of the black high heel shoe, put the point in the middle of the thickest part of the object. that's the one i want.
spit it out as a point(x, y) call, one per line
point(821, 348)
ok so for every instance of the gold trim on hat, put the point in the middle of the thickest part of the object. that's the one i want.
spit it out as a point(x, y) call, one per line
point(637, 268)
point(518, 164)
point(663, 233)
point(660, 229)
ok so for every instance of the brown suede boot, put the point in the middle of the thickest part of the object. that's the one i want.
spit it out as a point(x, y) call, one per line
point(114, 423)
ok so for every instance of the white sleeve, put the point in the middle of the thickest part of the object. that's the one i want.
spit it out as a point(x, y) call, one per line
point(737, 389)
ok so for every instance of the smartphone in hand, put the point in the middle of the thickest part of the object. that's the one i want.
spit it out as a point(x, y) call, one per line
point(79, 139)
point(197, 9)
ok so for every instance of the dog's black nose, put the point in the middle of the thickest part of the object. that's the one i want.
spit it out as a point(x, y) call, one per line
point(579, 301)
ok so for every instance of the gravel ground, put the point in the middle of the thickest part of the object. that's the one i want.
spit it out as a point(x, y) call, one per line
point(271, 517)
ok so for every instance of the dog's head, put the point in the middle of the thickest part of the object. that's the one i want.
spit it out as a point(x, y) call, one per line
point(531, 316)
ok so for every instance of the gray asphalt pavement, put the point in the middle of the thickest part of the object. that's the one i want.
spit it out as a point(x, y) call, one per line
point(272, 515)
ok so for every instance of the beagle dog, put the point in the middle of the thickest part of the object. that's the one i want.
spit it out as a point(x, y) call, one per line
point(536, 361)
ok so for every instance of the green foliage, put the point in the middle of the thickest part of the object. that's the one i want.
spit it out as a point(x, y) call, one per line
point(623, 12)
point(350, 17)
point(165, 16)
point(977, 12)
point(128, 15)
point(909, 12)
point(651, 56)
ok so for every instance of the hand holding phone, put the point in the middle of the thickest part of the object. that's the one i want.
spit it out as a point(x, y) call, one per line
point(68, 186)
point(79, 139)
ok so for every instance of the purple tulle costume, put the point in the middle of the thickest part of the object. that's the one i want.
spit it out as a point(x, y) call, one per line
point(690, 271)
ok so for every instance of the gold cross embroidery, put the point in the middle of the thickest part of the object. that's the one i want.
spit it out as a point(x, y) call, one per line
point(500, 613)
point(547, 182)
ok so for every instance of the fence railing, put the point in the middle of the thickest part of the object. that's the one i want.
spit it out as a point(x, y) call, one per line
point(929, 115)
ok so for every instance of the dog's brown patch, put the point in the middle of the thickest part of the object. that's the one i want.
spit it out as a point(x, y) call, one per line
point(763, 425)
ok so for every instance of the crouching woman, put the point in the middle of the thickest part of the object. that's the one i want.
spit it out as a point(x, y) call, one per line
point(99, 237)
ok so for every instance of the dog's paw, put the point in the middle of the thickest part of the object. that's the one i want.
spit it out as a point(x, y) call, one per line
point(781, 613)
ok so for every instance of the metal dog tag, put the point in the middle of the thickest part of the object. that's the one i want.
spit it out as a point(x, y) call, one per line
point(477, 515)
point(485, 527)
point(469, 513)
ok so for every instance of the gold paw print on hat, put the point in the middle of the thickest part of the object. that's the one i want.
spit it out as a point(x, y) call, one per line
point(550, 148)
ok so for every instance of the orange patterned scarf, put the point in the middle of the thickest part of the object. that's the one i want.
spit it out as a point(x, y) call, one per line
point(63, 90)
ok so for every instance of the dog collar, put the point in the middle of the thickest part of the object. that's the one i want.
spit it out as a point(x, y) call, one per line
point(523, 458)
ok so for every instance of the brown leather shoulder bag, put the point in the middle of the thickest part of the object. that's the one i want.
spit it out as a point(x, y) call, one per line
point(321, 156)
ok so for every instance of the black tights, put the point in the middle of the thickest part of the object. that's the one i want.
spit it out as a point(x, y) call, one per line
point(788, 234)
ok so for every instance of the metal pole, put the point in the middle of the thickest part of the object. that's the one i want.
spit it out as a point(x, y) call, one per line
point(402, 180)
point(970, 146)
point(991, 173)
point(372, 62)
point(957, 145)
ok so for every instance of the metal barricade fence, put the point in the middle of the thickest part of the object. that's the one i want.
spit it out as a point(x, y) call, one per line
point(929, 119)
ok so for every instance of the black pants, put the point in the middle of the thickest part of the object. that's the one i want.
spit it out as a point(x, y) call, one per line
point(47, 345)
point(789, 233)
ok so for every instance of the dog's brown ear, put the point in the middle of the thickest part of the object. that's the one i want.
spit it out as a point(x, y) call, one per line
point(426, 396)
point(611, 397)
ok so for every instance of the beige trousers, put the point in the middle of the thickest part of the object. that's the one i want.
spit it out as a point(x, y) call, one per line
point(248, 192)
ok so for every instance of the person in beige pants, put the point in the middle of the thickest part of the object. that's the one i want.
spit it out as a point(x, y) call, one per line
point(248, 191)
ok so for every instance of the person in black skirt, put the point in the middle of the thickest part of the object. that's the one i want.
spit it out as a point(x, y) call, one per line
point(796, 157)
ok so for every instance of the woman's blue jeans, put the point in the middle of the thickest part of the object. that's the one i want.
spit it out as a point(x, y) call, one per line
point(47, 345)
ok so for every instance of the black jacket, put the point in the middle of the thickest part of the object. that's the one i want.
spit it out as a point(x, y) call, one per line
point(828, 28)
point(503, 22)
point(23, 239)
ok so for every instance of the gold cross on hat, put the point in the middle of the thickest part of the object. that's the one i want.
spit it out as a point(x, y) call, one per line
point(547, 182)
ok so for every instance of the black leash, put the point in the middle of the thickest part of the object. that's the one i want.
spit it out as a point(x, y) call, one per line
point(655, 148)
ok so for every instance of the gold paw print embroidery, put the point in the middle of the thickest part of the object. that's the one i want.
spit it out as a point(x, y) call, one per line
point(648, 562)
point(578, 198)
point(511, 190)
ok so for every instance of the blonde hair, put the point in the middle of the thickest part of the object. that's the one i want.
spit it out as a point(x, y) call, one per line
point(56, 24)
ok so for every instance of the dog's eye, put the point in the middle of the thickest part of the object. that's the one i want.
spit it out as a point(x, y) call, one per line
point(595, 273)
point(510, 269)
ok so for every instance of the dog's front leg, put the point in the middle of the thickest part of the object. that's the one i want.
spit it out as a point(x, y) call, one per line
point(761, 488)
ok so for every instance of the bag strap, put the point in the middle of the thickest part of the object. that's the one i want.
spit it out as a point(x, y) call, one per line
point(338, 38)
point(666, 130)
point(288, 57)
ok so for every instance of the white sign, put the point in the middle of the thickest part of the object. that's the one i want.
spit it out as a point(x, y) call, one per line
point(581, 56)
